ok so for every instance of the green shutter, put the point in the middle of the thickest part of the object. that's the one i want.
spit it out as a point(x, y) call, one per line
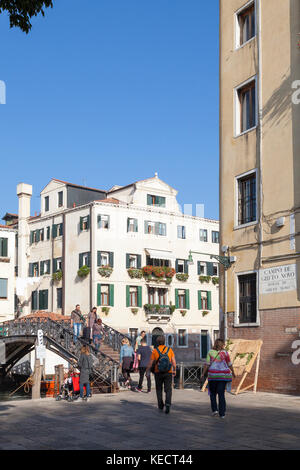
point(30, 269)
point(41, 300)
point(135, 225)
point(38, 235)
point(186, 266)
point(140, 295)
point(176, 298)
point(199, 300)
point(98, 258)
point(209, 300)
point(146, 226)
point(42, 268)
point(98, 294)
point(139, 261)
point(210, 269)
point(48, 266)
point(187, 299)
point(4, 247)
point(157, 225)
point(80, 260)
point(176, 265)
point(149, 200)
point(127, 296)
point(111, 295)
point(88, 222)
point(111, 259)
point(34, 300)
point(54, 231)
point(127, 261)
point(199, 267)
point(61, 229)
point(55, 265)
point(31, 237)
point(89, 259)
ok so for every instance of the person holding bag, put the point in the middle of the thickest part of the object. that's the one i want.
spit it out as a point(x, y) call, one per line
point(126, 360)
point(219, 371)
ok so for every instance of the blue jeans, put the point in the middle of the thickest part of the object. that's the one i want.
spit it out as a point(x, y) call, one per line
point(217, 387)
point(77, 330)
point(88, 389)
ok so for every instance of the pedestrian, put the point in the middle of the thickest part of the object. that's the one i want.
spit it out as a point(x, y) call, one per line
point(85, 364)
point(126, 360)
point(163, 364)
point(77, 321)
point(138, 340)
point(92, 317)
point(98, 332)
point(219, 372)
point(144, 353)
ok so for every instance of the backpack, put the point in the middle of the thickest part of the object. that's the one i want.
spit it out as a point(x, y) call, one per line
point(163, 362)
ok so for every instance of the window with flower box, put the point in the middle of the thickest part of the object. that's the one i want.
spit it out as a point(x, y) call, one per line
point(133, 296)
point(105, 295)
point(204, 300)
point(182, 298)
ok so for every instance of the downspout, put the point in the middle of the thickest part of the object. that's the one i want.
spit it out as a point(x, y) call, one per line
point(260, 119)
point(64, 266)
point(91, 257)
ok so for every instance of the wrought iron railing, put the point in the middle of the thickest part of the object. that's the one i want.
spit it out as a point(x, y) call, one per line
point(60, 337)
point(157, 310)
point(189, 373)
point(112, 337)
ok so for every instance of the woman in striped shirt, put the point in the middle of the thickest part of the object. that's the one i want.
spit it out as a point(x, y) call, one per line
point(220, 372)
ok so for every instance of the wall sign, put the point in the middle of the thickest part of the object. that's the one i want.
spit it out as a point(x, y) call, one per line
point(278, 279)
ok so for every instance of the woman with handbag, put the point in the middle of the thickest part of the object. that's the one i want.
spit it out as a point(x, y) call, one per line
point(219, 371)
point(126, 360)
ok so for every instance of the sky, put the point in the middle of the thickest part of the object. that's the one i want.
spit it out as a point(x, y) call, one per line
point(109, 92)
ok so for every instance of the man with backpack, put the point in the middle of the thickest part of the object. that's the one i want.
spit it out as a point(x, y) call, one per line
point(163, 364)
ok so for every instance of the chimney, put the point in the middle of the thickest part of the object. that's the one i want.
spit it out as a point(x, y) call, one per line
point(24, 192)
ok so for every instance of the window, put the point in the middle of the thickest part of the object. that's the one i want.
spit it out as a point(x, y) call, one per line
point(133, 261)
point(84, 223)
point(41, 234)
point(204, 343)
point(216, 334)
point(105, 295)
point(215, 269)
point(105, 258)
point(43, 299)
point(246, 199)
point(4, 247)
point(157, 296)
point(157, 228)
point(245, 25)
point(60, 198)
point(170, 340)
point(132, 225)
point(57, 265)
point(3, 288)
point(246, 107)
point(214, 237)
point(202, 268)
point(182, 340)
point(59, 297)
point(34, 269)
point(203, 235)
point(103, 221)
point(247, 298)
point(48, 233)
point(34, 300)
point(85, 259)
point(45, 267)
point(157, 262)
point(36, 235)
point(46, 203)
point(133, 334)
point(57, 230)
point(133, 296)
point(204, 300)
point(182, 298)
point(181, 266)
point(181, 231)
point(156, 201)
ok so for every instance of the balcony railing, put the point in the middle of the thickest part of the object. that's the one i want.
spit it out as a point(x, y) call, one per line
point(158, 310)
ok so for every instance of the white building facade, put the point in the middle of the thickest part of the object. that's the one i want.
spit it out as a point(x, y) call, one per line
point(7, 272)
point(126, 252)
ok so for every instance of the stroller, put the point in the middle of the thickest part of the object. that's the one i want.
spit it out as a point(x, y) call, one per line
point(70, 388)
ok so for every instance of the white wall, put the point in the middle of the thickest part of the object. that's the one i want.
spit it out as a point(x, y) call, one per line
point(7, 271)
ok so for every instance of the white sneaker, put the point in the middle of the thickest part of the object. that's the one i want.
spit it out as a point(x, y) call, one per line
point(215, 413)
point(222, 417)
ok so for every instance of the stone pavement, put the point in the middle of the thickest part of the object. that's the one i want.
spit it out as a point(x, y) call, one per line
point(130, 420)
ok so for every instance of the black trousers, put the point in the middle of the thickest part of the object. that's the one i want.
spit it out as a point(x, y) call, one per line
point(142, 371)
point(165, 380)
point(217, 387)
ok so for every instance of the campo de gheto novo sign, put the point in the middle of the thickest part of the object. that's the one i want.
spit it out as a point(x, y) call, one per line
point(278, 279)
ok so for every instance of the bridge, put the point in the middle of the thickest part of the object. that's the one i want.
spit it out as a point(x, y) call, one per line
point(20, 337)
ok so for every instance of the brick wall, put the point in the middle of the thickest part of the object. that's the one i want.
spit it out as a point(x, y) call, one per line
point(276, 373)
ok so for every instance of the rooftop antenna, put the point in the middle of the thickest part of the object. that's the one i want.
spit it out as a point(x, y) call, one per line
point(84, 182)
point(156, 174)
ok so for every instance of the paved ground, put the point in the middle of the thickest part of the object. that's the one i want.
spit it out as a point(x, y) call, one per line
point(131, 420)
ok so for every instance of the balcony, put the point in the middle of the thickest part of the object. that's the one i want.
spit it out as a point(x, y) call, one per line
point(158, 313)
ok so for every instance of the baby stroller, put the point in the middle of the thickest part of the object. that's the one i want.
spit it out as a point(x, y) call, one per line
point(70, 388)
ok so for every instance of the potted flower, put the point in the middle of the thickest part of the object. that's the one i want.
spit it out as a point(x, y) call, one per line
point(204, 279)
point(182, 277)
point(183, 312)
point(57, 276)
point(169, 272)
point(204, 313)
point(134, 310)
point(105, 271)
point(105, 310)
point(135, 273)
point(147, 271)
point(215, 280)
point(83, 271)
point(158, 272)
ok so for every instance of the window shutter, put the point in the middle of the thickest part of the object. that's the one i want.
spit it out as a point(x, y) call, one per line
point(48, 233)
point(139, 296)
point(209, 300)
point(98, 293)
point(210, 269)
point(80, 260)
point(111, 295)
point(4, 247)
point(127, 261)
point(199, 267)
point(111, 259)
point(88, 222)
point(38, 235)
point(146, 226)
point(149, 200)
point(34, 300)
point(46, 299)
point(81, 224)
point(135, 225)
point(157, 226)
point(108, 222)
point(42, 268)
point(179, 231)
point(98, 221)
point(30, 269)
point(61, 229)
point(98, 258)
point(186, 266)
point(128, 224)
point(89, 259)
point(176, 298)
point(176, 265)
point(55, 265)
point(183, 232)
point(127, 296)
point(187, 299)
point(48, 266)
point(41, 300)
point(31, 237)
point(3, 288)
point(199, 300)
point(139, 261)
point(54, 231)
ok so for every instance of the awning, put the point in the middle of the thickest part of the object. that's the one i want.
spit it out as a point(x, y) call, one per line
point(159, 254)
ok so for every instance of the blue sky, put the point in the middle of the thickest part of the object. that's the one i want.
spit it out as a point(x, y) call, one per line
point(108, 92)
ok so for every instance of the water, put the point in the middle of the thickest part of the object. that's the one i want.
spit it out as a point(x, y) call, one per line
point(9, 386)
